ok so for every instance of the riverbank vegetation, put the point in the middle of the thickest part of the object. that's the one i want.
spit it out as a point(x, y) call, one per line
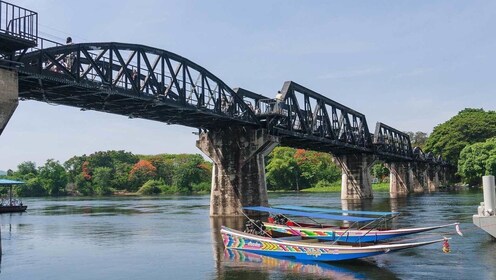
point(467, 140)
point(115, 172)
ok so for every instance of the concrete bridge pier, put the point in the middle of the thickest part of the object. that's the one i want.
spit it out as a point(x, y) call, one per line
point(432, 178)
point(399, 183)
point(238, 174)
point(9, 94)
point(418, 177)
point(356, 181)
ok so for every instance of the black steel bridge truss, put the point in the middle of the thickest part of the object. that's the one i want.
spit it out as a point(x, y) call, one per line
point(303, 118)
point(131, 80)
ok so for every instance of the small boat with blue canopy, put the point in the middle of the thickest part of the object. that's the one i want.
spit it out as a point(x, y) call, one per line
point(11, 205)
point(308, 249)
point(362, 229)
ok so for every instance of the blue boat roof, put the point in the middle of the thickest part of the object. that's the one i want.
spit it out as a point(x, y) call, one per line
point(10, 182)
point(309, 214)
point(327, 210)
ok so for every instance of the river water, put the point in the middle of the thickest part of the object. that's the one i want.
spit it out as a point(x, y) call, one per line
point(174, 238)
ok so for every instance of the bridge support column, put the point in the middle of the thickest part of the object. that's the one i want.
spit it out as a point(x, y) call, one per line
point(9, 93)
point(418, 177)
point(356, 182)
point(399, 183)
point(432, 179)
point(238, 174)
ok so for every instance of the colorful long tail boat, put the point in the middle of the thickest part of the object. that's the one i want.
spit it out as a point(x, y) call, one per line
point(336, 233)
point(309, 249)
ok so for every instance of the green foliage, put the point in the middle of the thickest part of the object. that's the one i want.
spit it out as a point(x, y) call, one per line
point(282, 170)
point(53, 178)
point(152, 187)
point(292, 169)
point(188, 173)
point(381, 187)
point(325, 186)
point(102, 176)
point(26, 170)
point(379, 171)
point(104, 173)
point(33, 187)
point(167, 189)
point(468, 127)
point(477, 160)
point(202, 187)
point(141, 172)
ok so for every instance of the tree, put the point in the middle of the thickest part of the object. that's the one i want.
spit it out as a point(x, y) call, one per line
point(33, 187)
point(26, 169)
point(190, 172)
point(379, 171)
point(467, 127)
point(295, 169)
point(141, 172)
point(477, 160)
point(102, 178)
point(282, 169)
point(53, 178)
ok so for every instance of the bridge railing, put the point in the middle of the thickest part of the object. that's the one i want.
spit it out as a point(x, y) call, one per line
point(18, 22)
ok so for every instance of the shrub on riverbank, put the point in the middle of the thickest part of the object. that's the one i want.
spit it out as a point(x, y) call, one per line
point(151, 187)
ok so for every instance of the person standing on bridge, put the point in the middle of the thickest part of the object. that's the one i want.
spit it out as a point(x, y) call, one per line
point(69, 59)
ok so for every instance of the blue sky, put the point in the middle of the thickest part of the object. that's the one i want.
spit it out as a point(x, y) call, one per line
point(409, 64)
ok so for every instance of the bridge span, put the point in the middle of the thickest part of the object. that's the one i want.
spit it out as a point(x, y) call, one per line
point(238, 127)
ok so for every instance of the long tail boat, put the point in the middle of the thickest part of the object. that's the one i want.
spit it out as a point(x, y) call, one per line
point(370, 232)
point(309, 249)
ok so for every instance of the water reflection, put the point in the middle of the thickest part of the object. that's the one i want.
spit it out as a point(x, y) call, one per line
point(242, 264)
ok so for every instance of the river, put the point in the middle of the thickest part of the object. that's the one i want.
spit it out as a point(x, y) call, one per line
point(174, 238)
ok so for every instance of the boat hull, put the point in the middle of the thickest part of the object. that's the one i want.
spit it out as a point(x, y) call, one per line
point(306, 251)
point(12, 209)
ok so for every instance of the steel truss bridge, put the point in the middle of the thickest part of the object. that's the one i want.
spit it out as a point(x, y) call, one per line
point(144, 82)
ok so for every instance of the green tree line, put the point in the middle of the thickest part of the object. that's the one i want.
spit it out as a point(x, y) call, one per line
point(111, 172)
point(467, 140)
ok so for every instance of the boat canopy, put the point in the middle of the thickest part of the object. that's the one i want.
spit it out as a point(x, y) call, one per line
point(309, 214)
point(10, 182)
point(327, 210)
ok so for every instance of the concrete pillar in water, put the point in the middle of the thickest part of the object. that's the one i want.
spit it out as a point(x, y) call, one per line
point(238, 174)
point(399, 183)
point(432, 178)
point(9, 93)
point(356, 182)
point(418, 177)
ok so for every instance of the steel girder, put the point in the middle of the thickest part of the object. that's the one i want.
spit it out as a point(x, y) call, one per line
point(133, 80)
point(392, 144)
point(306, 119)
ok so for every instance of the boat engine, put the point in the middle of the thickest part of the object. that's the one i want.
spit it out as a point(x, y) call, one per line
point(255, 227)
